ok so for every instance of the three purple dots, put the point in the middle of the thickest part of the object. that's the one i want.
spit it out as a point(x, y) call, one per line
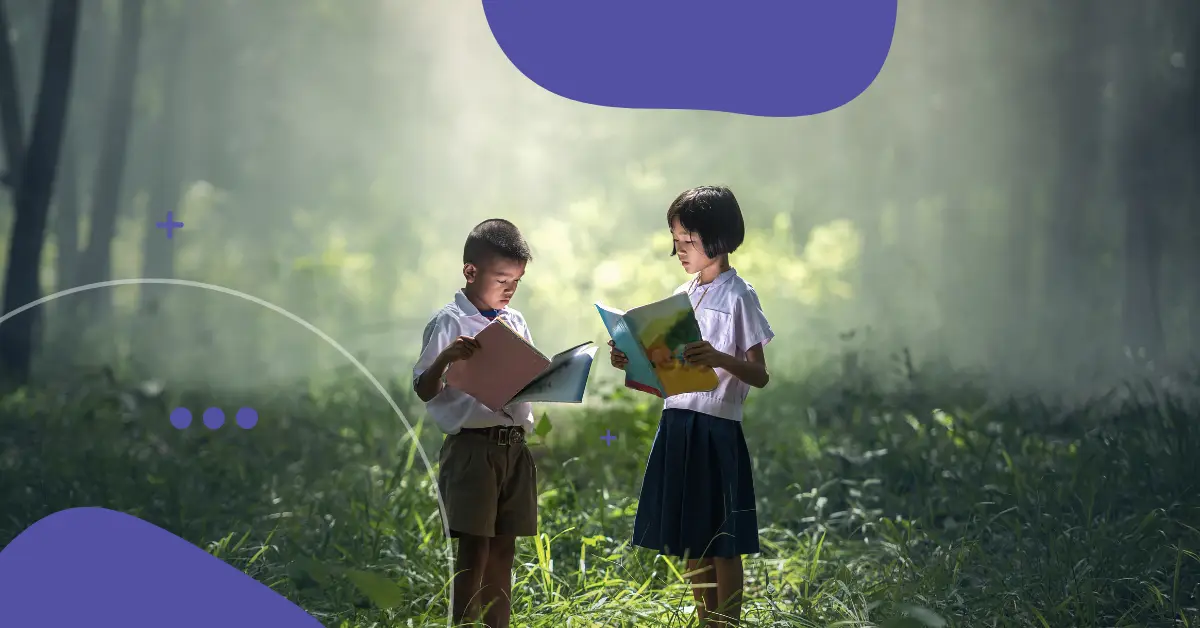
point(214, 418)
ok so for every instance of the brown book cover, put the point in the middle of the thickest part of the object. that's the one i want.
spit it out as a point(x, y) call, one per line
point(500, 368)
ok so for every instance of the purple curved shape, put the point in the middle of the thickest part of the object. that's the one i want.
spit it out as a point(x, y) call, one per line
point(98, 568)
point(777, 58)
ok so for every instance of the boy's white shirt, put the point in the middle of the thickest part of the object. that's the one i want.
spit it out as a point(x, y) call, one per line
point(453, 409)
point(731, 320)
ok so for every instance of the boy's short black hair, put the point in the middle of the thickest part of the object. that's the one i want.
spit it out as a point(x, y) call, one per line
point(495, 237)
point(712, 212)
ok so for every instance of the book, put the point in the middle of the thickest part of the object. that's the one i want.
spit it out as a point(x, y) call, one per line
point(653, 336)
point(507, 369)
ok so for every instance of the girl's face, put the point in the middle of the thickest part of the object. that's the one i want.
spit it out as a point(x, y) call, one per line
point(689, 249)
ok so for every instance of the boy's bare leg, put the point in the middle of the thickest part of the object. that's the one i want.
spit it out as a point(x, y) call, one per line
point(470, 568)
point(497, 582)
point(702, 588)
point(730, 582)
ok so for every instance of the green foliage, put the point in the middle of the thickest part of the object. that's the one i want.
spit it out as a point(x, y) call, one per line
point(680, 332)
point(906, 507)
point(543, 427)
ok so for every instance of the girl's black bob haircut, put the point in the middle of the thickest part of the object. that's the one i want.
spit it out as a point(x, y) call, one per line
point(713, 213)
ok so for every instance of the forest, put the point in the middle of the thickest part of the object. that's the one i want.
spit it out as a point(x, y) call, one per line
point(983, 274)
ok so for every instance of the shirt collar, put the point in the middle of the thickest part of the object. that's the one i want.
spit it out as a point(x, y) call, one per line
point(722, 278)
point(468, 308)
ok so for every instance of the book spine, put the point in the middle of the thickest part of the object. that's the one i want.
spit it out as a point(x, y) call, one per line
point(629, 383)
point(637, 338)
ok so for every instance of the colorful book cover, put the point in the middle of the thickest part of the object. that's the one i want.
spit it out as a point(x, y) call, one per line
point(653, 337)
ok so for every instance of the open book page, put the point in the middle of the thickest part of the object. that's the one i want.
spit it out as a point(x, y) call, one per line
point(664, 328)
point(639, 373)
point(503, 364)
point(565, 356)
point(555, 362)
point(564, 382)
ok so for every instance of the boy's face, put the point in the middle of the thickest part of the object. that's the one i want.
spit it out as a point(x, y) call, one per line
point(494, 282)
point(690, 249)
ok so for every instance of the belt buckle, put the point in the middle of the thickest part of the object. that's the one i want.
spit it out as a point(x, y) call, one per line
point(502, 436)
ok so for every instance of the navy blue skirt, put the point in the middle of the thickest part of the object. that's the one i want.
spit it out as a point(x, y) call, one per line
point(697, 498)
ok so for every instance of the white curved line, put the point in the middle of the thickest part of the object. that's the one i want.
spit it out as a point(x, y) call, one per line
point(307, 325)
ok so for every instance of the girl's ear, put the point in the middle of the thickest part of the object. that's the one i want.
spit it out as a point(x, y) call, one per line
point(470, 272)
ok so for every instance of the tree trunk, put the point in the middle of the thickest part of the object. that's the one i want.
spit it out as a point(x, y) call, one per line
point(70, 200)
point(1191, 114)
point(11, 120)
point(158, 257)
point(1143, 191)
point(66, 217)
point(1032, 79)
point(34, 189)
point(1078, 126)
point(1146, 183)
point(96, 260)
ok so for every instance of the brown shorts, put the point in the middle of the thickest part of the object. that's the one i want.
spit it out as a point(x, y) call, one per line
point(488, 488)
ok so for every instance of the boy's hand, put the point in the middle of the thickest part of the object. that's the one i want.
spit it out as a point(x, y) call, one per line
point(704, 354)
point(618, 359)
point(462, 348)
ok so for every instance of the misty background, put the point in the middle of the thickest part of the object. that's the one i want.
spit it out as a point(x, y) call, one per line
point(960, 266)
point(1014, 195)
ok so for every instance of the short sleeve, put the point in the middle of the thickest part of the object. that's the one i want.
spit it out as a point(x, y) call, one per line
point(439, 333)
point(525, 331)
point(750, 323)
point(516, 321)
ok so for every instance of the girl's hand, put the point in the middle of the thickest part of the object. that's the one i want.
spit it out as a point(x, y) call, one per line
point(618, 359)
point(704, 354)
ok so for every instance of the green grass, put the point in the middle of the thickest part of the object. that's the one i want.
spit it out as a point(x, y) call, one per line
point(916, 507)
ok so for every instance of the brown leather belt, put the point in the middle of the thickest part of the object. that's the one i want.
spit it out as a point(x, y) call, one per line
point(499, 434)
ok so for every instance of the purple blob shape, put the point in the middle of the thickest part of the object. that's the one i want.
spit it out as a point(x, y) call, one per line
point(777, 58)
point(214, 418)
point(247, 418)
point(126, 572)
point(181, 418)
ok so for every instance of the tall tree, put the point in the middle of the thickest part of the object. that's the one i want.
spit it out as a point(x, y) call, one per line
point(1191, 113)
point(1027, 85)
point(166, 180)
point(1157, 170)
point(34, 188)
point(11, 121)
point(66, 216)
point(96, 260)
point(95, 38)
point(1143, 191)
point(167, 183)
point(1077, 78)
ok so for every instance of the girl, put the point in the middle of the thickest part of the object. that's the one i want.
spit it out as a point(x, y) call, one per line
point(697, 498)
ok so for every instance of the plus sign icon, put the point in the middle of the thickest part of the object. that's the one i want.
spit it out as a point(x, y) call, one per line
point(170, 225)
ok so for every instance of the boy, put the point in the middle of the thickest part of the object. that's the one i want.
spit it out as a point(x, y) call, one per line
point(486, 475)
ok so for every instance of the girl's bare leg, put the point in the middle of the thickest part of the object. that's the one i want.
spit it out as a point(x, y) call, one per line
point(704, 588)
point(730, 582)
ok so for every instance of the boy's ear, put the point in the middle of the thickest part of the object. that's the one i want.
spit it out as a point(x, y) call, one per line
point(470, 272)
